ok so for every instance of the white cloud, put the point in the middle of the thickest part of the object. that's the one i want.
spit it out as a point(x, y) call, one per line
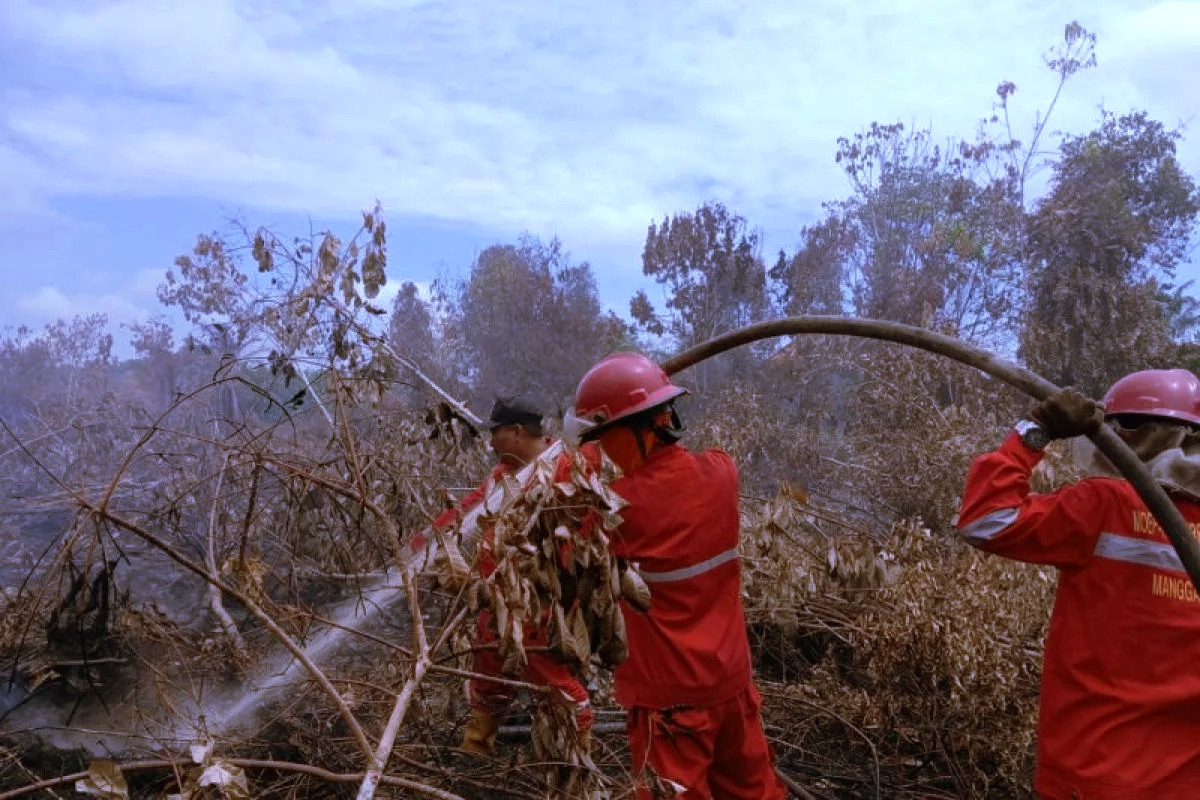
point(22, 194)
point(47, 301)
point(586, 122)
point(1172, 25)
point(1153, 56)
point(130, 300)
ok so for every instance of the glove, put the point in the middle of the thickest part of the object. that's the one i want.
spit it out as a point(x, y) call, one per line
point(1068, 413)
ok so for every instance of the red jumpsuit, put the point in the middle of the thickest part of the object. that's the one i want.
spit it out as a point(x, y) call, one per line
point(1120, 699)
point(543, 668)
point(693, 708)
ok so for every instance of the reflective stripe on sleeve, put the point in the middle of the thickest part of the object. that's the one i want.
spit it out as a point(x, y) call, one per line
point(989, 525)
point(689, 572)
point(1138, 551)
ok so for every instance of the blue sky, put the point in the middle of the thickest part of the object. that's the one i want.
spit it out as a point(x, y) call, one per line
point(126, 128)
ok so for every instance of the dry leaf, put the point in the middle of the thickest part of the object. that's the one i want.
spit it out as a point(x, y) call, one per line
point(794, 492)
point(229, 779)
point(104, 780)
point(201, 751)
point(634, 589)
point(40, 675)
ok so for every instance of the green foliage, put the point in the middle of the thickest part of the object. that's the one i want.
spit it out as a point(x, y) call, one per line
point(928, 236)
point(810, 280)
point(56, 373)
point(412, 334)
point(80, 343)
point(931, 235)
point(1119, 217)
point(527, 319)
point(410, 330)
point(710, 265)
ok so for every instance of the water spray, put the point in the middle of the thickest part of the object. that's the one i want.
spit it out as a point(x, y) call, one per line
point(421, 549)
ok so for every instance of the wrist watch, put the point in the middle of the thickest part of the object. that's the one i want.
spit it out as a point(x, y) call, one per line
point(1033, 435)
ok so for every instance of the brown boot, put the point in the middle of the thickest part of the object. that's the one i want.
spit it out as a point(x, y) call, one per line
point(480, 736)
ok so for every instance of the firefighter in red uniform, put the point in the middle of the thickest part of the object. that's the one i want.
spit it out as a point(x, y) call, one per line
point(693, 709)
point(1120, 698)
point(517, 438)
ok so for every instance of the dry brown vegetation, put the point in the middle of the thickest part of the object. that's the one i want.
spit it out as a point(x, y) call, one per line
point(199, 548)
point(895, 662)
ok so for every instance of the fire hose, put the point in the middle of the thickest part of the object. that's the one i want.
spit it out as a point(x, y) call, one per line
point(420, 550)
point(1130, 466)
point(1177, 529)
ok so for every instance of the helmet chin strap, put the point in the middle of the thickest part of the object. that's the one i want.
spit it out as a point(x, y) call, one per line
point(672, 434)
point(664, 434)
point(649, 432)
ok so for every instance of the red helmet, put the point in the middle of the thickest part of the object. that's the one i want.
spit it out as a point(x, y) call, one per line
point(1172, 393)
point(620, 386)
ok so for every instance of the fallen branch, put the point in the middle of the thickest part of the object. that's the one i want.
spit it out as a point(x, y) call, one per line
point(245, 763)
point(791, 698)
point(794, 787)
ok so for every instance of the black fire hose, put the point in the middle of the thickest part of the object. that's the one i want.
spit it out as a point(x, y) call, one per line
point(1124, 459)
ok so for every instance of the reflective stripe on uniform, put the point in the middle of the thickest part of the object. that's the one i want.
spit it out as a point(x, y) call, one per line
point(1138, 551)
point(989, 525)
point(689, 572)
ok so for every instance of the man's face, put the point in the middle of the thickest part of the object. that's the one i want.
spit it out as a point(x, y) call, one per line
point(510, 444)
point(1148, 437)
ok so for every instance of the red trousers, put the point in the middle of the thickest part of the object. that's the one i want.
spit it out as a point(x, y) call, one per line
point(715, 751)
point(544, 669)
